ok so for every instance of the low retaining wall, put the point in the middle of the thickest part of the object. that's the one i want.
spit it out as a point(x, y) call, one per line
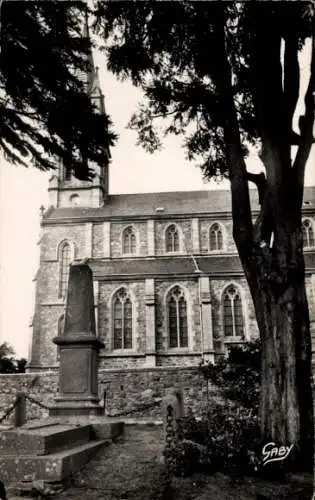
point(130, 388)
point(126, 390)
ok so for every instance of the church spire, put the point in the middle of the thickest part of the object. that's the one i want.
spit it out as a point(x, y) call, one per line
point(91, 77)
point(64, 189)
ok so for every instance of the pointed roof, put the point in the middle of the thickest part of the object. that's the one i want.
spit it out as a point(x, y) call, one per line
point(91, 77)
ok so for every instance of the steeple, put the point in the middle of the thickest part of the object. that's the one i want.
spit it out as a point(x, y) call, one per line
point(91, 77)
point(64, 189)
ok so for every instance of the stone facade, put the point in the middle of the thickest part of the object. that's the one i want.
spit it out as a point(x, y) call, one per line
point(200, 261)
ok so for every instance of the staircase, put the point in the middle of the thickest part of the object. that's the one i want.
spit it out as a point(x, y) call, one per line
point(52, 450)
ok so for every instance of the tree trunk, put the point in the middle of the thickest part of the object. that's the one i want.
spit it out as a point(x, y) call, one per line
point(275, 274)
point(286, 397)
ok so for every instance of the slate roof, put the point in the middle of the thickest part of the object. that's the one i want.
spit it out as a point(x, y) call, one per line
point(219, 265)
point(174, 203)
point(163, 266)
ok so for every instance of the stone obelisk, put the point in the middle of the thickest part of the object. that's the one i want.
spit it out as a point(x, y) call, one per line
point(78, 388)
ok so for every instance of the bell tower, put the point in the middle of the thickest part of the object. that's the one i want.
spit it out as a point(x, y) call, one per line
point(64, 189)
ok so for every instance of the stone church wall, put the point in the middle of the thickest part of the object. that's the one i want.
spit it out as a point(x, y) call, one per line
point(104, 239)
point(107, 290)
point(97, 241)
point(116, 230)
point(185, 235)
point(52, 236)
point(193, 313)
point(217, 288)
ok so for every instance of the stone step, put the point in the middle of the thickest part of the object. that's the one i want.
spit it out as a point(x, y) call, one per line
point(53, 467)
point(43, 439)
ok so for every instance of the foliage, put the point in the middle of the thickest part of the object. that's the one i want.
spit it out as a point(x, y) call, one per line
point(238, 374)
point(8, 362)
point(189, 58)
point(185, 458)
point(226, 439)
point(46, 113)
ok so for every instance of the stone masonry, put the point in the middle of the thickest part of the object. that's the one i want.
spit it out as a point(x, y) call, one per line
point(149, 273)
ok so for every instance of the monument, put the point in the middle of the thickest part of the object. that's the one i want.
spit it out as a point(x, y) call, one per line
point(79, 346)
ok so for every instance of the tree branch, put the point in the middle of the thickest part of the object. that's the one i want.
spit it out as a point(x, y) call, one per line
point(291, 85)
point(306, 124)
point(241, 211)
point(25, 114)
point(266, 70)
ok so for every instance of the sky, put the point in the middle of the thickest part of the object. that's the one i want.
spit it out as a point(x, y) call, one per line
point(24, 190)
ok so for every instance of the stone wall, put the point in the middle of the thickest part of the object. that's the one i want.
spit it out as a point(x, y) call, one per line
point(126, 389)
point(226, 227)
point(190, 288)
point(49, 312)
point(116, 237)
point(103, 240)
point(107, 289)
point(185, 235)
point(42, 387)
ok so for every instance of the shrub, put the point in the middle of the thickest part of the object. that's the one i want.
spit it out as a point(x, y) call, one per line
point(233, 440)
point(8, 362)
point(225, 439)
point(238, 374)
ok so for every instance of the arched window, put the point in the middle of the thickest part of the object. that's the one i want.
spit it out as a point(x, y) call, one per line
point(129, 241)
point(215, 237)
point(122, 320)
point(177, 318)
point(64, 263)
point(233, 324)
point(308, 234)
point(172, 239)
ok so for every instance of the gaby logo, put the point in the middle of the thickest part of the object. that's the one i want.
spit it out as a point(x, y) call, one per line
point(272, 453)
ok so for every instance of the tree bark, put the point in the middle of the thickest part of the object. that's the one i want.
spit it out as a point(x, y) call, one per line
point(286, 395)
point(276, 277)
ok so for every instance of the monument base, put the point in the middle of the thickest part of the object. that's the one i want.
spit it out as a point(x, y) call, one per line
point(78, 387)
point(68, 408)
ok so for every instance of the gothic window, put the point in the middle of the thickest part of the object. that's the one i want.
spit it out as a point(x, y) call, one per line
point(122, 320)
point(177, 318)
point(215, 237)
point(64, 263)
point(233, 324)
point(172, 239)
point(308, 234)
point(129, 241)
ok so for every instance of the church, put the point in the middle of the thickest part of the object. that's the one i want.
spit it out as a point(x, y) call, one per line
point(169, 289)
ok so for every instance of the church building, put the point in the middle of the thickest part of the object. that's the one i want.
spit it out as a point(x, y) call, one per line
point(169, 288)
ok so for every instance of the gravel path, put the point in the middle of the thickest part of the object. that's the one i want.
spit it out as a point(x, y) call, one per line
point(131, 468)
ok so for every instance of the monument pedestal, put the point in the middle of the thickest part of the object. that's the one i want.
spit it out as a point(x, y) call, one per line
point(78, 387)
